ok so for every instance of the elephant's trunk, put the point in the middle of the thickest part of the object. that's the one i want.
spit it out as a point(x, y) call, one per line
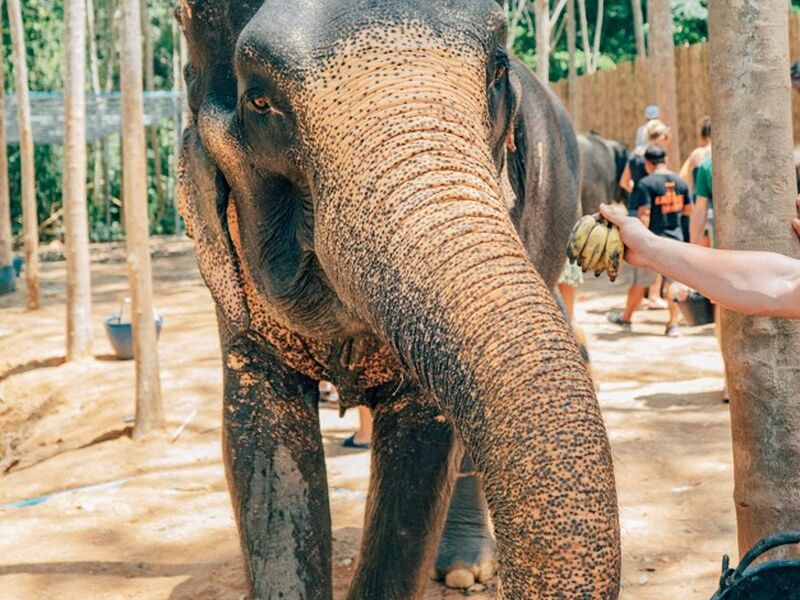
point(415, 237)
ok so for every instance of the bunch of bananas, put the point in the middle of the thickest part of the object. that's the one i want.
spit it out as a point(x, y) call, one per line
point(595, 244)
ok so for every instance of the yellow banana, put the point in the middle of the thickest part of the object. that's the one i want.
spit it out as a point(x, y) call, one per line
point(593, 250)
point(579, 236)
point(615, 252)
point(601, 264)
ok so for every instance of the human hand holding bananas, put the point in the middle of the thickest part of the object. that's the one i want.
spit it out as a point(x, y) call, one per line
point(596, 245)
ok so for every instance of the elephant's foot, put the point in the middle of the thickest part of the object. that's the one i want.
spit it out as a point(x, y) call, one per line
point(467, 550)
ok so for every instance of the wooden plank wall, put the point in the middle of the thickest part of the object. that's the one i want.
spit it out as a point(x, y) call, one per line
point(613, 101)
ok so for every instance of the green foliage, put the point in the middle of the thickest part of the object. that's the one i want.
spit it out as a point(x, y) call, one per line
point(617, 42)
point(43, 22)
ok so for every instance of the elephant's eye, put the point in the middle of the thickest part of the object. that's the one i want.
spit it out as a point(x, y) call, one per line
point(501, 64)
point(260, 104)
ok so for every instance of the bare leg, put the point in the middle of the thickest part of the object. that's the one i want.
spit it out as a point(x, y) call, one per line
point(364, 433)
point(674, 311)
point(635, 297)
point(655, 291)
point(276, 473)
point(568, 293)
point(413, 466)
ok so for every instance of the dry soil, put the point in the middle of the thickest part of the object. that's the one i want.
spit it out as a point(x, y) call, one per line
point(88, 513)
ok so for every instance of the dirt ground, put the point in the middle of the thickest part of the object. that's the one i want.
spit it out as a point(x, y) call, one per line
point(87, 513)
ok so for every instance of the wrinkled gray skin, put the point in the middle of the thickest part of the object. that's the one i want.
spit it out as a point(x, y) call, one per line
point(543, 214)
point(602, 164)
point(341, 176)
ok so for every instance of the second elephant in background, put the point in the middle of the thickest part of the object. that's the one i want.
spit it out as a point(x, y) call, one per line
point(602, 163)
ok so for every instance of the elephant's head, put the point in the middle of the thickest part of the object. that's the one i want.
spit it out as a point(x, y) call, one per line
point(348, 153)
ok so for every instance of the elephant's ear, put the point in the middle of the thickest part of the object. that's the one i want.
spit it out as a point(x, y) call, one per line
point(203, 197)
point(211, 28)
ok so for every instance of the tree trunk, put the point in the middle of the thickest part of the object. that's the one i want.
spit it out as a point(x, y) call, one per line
point(150, 85)
point(94, 71)
point(754, 191)
point(638, 28)
point(76, 224)
point(587, 49)
point(572, 79)
point(177, 88)
point(542, 8)
point(29, 216)
point(6, 239)
point(598, 33)
point(518, 8)
point(110, 61)
point(662, 74)
point(149, 412)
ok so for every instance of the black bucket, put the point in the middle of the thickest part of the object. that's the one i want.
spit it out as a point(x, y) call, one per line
point(771, 580)
point(696, 310)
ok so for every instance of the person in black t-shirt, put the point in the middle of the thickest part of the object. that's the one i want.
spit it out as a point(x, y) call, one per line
point(658, 200)
point(657, 133)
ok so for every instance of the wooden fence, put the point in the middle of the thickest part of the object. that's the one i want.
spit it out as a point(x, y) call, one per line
point(612, 102)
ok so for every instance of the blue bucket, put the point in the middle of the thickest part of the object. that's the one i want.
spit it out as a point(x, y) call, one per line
point(8, 279)
point(18, 262)
point(121, 335)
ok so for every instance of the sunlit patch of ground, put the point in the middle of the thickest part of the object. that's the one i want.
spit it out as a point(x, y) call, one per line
point(151, 520)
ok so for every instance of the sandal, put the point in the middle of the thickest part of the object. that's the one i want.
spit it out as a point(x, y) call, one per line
point(352, 443)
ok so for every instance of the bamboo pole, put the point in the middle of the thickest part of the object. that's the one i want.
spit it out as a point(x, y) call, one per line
point(76, 223)
point(754, 195)
point(6, 239)
point(149, 411)
point(29, 216)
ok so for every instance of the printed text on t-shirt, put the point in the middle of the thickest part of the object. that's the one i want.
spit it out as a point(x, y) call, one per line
point(671, 202)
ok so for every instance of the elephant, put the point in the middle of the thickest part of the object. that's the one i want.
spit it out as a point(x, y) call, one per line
point(380, 197)
point(603, 162)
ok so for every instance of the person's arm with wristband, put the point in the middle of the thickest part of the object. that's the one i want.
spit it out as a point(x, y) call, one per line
point(755, 283)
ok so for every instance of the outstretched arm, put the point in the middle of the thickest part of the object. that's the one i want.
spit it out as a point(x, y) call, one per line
point(756, 283)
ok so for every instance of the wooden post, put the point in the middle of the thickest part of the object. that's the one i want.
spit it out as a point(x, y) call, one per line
point(572, 78)
point(29, 216)
point(6, 239)
point(76, 219)
point(754, 192)
point(542, 8)
point(149, 411)
point(662, 75)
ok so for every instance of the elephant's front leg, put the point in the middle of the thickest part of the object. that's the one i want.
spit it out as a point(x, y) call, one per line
point(413, 466)
point(276, 474)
